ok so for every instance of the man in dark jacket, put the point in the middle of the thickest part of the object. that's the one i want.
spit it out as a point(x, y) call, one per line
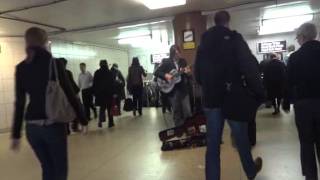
point(179, 96)
point(304, 87)
point(225, 67)
point(103, 88)
point(274, 76)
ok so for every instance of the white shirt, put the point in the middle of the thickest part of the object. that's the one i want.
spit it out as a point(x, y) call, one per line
point(85, 80)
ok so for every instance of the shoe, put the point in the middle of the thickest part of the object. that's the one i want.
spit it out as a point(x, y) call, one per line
point(258, 164)
point(111, 125)
point(140, 113)
point(276, 112)
point(100, 124)
point(134, 113)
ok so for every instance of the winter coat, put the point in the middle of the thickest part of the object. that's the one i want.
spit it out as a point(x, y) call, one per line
point(228, 73)
point(103, 86)
point(135, 75)
point(274, 77)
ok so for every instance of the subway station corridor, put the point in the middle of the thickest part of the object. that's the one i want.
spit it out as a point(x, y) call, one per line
point(131, 151)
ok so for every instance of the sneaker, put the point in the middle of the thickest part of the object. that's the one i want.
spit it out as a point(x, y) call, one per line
point(258, 164)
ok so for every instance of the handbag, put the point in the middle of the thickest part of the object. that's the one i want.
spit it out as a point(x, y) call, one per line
point(115, 109)
point(58, 107)
point(128, 105)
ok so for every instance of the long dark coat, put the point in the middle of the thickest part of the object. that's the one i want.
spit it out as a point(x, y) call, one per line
point(103, 86)
point(275, 78)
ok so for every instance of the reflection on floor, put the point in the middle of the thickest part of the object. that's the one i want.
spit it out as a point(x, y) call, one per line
point(131, 151)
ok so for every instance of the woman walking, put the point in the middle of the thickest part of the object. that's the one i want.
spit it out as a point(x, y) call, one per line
point(47, 138)
point(135, 84)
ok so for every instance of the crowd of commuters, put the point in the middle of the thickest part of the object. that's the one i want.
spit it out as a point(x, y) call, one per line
point(226, 70)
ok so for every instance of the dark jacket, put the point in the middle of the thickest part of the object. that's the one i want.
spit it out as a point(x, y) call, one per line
point(134, 78)
point(74, 85)
point(167, 66)
point(274, 77)
point(223, 56)
point(304, 72)
point(120, 83)
point(103, 86)
point(32, 77)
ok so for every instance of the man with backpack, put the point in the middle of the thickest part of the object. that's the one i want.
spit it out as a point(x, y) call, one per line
point(232, 89)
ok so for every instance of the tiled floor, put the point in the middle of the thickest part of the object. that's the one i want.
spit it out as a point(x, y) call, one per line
point(131, 151)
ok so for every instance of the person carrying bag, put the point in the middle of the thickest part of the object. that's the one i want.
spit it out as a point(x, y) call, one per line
point(52, 104)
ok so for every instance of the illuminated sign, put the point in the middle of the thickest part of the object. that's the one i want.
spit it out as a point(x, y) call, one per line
point(157, 58)
point(270, 47)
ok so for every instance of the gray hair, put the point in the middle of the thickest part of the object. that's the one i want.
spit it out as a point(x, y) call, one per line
point(308, 31)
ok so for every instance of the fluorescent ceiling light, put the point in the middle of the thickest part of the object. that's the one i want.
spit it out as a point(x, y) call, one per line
point(158, 4)
point(135, 40)
point(139, 25)
point(285, 18)
point(280, 25)
point(134, 33)
point(287, 11)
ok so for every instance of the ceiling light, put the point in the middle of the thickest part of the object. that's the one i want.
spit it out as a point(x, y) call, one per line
point(280, 25)
point(285, 18)
point(135, 41)
point(139, 25)
point(158, 4)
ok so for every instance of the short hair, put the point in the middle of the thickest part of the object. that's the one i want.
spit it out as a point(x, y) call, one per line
point(308, 31)
point(273, 55)
point(291, 48)
point(83, 64)
point(222, 17)
point(36, 36)
point(104, 62)
point(63, 60)
point(135, 61)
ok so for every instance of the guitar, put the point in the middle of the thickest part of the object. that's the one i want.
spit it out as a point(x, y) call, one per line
point(166, 86)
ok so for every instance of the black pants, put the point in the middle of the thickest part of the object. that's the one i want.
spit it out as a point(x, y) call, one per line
point(276, 102)
point(49, 143)
point(252, 131)
point(87, 98)
point(308, 123)
point(166, 105)
point(102, 116)
point(137, 92)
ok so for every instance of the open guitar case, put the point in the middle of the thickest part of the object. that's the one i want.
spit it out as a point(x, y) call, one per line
point(191, 134)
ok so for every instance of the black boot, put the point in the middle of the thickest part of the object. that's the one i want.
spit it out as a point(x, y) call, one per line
point(258, 164)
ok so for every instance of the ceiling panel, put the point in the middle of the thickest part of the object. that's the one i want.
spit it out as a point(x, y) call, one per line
point(12, 28)
point(13, 4)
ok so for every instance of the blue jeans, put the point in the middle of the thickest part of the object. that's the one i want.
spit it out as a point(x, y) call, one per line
point(49, 143)
point(215, 125)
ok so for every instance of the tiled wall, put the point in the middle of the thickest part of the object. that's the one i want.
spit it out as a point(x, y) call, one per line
point(12, 52)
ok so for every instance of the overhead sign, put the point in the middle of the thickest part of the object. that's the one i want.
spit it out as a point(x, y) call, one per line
point(270, 47)
point(157, 58)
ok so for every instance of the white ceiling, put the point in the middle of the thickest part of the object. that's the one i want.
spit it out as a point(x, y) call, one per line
point(78, 14)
